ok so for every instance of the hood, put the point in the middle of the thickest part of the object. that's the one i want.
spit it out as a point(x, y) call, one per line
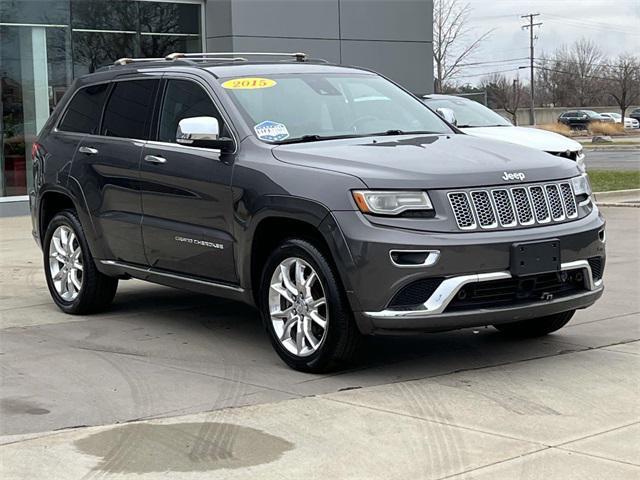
point(527, 136)
point(428, 161)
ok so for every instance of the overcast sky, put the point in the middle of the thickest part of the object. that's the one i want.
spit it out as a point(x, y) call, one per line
point(614, 24)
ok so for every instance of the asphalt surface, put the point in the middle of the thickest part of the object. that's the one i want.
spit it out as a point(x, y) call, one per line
point(464, 404)
point(613, 160)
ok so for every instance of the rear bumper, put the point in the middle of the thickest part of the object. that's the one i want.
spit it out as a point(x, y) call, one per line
point(431, 316)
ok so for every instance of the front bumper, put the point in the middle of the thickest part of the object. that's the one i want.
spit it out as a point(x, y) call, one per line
point(431, 315)
point(372, 279)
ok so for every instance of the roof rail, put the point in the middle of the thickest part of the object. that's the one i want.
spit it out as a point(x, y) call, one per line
point(217, 57)
point(127, 60)
point(299, 56)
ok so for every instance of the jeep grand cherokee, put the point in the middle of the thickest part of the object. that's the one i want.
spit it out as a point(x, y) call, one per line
point(328, 197)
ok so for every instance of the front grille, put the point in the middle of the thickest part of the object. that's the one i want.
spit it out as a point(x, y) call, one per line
point(513, 291)
point(597, 267)
point(415, 294)
point(512, 207)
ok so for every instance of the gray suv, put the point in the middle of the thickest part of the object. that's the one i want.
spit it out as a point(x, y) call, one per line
point(328, 197)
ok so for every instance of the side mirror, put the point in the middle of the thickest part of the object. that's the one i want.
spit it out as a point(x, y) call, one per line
point(202, 132)
point(448, 114)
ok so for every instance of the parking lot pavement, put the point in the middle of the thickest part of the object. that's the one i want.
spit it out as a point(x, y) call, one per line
point(465, 404)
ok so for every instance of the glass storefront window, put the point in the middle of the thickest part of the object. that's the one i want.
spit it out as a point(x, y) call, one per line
point(44, 44)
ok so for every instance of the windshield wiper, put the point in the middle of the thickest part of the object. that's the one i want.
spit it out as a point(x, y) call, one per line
point(480, 126)
point(314, 138)
point(399, 132)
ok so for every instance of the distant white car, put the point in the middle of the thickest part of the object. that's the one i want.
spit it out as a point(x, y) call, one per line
point(477, 120)
point(617, 118)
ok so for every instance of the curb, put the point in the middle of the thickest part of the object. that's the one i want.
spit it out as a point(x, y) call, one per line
point(614, 204)
point(612, 148)
point(617, 193)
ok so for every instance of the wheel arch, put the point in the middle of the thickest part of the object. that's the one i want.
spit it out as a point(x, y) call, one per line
point(301, 218)
point(55, 200)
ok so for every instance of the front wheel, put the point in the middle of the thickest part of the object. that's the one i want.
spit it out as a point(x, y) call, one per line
point(536, 327)
point(304, 308)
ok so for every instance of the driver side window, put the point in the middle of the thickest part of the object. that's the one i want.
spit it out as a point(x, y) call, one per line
point(184, 99)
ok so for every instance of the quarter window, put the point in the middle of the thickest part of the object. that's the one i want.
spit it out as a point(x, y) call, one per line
point(184, 99)
point(83, 113)
point(128, 112)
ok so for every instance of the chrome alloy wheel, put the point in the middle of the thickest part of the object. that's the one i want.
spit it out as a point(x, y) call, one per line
point(65, 263)
point(298, 307)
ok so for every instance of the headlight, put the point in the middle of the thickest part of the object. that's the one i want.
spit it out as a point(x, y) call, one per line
point(384, 202)
point(581, 185)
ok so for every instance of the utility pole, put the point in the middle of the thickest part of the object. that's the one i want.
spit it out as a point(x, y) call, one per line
point(530, 25)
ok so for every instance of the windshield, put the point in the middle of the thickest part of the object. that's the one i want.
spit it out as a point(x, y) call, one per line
point(316, 106)
point(469, 113)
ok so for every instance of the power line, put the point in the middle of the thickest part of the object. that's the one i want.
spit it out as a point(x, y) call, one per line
point(506, 60)
point(572, 23)
point(482, 74)
point(590, 23)
point(530, 25)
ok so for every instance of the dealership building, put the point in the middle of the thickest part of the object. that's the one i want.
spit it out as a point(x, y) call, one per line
point(45, 44)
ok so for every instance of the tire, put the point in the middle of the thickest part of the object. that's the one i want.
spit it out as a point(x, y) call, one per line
point(336, 341)
point(536, 327)
point(96, 290)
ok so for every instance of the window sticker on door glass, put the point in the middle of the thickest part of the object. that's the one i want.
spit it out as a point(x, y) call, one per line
point(248, 83)
point(271, 131)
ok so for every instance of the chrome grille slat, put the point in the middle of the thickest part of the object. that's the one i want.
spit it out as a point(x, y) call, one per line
point(569, 200)
point(462, 210)
point(555, 202)
point(507, 207)
point(504, 207)
point(484, 209)
point(522, 202)
point(540, 205)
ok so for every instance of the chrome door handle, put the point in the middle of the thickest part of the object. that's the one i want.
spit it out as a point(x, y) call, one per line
point(88, 150)
point(154, 159)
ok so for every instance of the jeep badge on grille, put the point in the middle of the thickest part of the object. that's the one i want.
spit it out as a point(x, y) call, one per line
point(513, 176)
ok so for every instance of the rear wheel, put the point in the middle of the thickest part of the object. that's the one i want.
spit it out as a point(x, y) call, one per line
point(536, 327)
point(75, 284)
point(304, 309)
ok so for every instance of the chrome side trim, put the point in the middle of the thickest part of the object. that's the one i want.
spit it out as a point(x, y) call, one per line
point(151, 271)
point(432, 258)
point(449, 288)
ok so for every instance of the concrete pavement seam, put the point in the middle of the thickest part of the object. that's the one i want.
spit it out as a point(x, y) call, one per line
point(591, 435)
point(431, 420)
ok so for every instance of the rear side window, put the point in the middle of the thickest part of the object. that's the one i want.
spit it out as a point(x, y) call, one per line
point(129, 108)
point(84, 110)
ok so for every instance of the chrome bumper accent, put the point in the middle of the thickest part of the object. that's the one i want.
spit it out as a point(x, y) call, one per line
point(449, 288)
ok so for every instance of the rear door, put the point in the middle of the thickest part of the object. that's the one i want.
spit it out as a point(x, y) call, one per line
point(108, 168)
point(186, 191)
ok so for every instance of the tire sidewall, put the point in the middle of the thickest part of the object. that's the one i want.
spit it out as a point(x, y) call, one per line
point(68, 219)
point(306, 251)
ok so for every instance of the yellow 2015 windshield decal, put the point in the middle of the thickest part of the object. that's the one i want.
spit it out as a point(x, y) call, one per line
point(248, 83)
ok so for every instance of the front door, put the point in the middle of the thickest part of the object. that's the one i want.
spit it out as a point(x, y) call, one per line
point(186, 192)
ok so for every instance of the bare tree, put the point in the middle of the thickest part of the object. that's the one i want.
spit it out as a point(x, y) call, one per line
point(585, 62)
point(623, 81)
point(452, 41)
point(505, 94)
